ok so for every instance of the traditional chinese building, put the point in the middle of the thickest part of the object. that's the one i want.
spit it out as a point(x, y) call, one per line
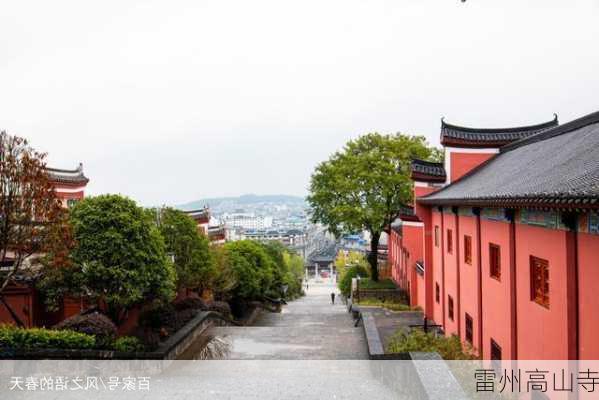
point(504, 247)
point(21, 294)
point(69, 185)
point(202, 218)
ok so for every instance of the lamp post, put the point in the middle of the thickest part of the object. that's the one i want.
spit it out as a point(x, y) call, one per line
point(358, 287)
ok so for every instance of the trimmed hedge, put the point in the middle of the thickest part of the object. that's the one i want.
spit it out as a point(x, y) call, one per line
point(344, 284)
point(40, 338)
point(128, 344)
point(449, 348)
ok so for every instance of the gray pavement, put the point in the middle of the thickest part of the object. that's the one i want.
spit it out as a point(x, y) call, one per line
point(310, 328)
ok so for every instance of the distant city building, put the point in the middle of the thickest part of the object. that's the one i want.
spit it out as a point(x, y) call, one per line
point(246, 221)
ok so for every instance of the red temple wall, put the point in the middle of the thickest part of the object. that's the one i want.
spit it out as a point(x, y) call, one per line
point(451, 274)
point(413, 244)
point(462, 163)
point(469, 280)
point(542, 332)
point(588, 278)
point(436, 269)
point(496, 314)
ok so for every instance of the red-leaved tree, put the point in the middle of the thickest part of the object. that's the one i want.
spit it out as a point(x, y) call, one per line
point(32, 220)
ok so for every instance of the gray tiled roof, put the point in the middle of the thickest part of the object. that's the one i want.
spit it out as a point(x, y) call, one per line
point(428, 168)
point(454, 134)
point(557, 168)
point(68, 175)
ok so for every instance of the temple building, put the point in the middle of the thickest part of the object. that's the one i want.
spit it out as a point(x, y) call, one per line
point(502, 249)
point(21, 294)
point(69, 185)
point(202, 218)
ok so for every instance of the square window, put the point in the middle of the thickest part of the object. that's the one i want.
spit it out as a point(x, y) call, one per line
point(539, 281)
point(495, 261)
point(437, 293)
point(449, 242)
point(468, 249)
point(469, 328)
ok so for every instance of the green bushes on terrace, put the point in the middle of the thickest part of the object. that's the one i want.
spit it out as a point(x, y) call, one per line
point(128, 344)
point(40, 338)
point(344, 282)
point(449, 348)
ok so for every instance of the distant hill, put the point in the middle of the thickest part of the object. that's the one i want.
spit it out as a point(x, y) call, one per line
point(245, 199)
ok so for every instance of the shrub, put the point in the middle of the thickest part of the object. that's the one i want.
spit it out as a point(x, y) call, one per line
point(449, 348)
point(390, 305)
point(39, 338)
point(191, 302)
point(128, 344)
point(344, 283)
point(221, 307)
point(94, 324)
point(368, 283)
point(158, 317)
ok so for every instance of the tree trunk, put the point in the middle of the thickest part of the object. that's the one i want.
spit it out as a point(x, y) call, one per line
point(373, 255)
point(12, 313)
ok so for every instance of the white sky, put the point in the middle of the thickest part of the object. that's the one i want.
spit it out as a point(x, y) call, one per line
point(171, 101)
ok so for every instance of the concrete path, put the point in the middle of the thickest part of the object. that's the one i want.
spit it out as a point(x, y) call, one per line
point(310, 328)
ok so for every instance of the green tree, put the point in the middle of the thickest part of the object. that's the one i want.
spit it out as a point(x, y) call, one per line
point(252, 267)
point(365, 186)
point(190, 249)
point(289, 269)
point(119, 257)
point(225, 280)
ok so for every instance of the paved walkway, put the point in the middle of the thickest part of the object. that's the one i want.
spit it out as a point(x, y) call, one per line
point(310, 328)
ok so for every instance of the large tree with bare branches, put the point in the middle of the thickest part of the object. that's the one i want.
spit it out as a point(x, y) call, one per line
point(31, 216)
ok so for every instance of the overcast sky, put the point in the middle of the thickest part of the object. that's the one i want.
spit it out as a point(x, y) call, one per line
point(171, 101)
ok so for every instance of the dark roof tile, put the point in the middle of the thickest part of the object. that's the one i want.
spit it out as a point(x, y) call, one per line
point(557, 168)
point(454, 135)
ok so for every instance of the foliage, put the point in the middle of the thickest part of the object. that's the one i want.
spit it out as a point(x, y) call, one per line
point(449, 348)
point(32, 217)
point(295, 274)
point(39, 338)
point(393, 306)
point(351, 258)
point(365, 186)
point(191, 302)
point(288, 272)
point(191, 249)
point(94, 324)
point(344, 282)
point(120, 256)
point(128, 344)
point(225, 280)
point(220, 307)
point(382, 284)
point(252, 267)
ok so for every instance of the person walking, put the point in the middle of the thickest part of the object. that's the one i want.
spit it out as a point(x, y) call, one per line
point(332, 297)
